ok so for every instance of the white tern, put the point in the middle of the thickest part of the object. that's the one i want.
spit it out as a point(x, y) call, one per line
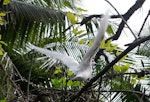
point(82, 70)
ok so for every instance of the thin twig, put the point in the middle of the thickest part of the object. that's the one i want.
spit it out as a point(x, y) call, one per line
point(48, 91)
point(5, 55)
point(122, 18)
point(142, 28)
point(29, 77)
point(144, 23)
point(100, 82)
point(18, 90)
point(126, 16)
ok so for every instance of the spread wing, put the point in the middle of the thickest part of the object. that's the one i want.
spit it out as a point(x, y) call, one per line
point(69, 61)
point(97, 41)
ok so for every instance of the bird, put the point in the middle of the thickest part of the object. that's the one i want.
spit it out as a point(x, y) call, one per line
point(82, 70)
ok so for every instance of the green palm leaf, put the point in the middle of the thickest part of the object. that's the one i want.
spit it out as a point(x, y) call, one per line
point(27, 22)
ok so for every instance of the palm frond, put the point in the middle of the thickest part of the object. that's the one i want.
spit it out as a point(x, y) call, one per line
point(69, 48)
point(35, 13)
point(30, 22)
point(144, 49)
point(55, 4)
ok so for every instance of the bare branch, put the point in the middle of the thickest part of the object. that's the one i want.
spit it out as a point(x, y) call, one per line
point(29, 77)
point(144, 23)
point(126, 17)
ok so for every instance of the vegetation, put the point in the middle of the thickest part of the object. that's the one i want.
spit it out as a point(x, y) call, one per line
point(27, 76)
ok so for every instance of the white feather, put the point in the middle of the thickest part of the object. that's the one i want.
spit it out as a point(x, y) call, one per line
point(82, 71)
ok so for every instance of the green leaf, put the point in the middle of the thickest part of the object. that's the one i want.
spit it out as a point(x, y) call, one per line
point(4, 100)
point(134, 75)
point(81, 9)
point(80, 31)
point(116, 84)
point(2, 42)
point(73, 19)
point(57, 71)
point(70, 73)
point(1, 52)
point(68, 4)
point(1, 18)
point(110, 30)
point(63, 82)
point(69, 83)
point(6, 2)
point(114, 47)
point(125, 68)
point(56, 82)
point(90, 43)
point(117, 68)
point(82, 41)
point(102, 44)
point(141, 78)
point(77, 31)
point(133, 81)
point(108, 44)
point(2, 14)
point(109, 49)
point(2, 22)
point(118, 53)
point(123, 58)
point(77, 83)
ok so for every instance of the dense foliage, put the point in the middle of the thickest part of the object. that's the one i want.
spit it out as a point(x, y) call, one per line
point(60, 25)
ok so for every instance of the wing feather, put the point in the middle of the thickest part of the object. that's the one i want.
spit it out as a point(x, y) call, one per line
point(69, 61)
point(97, 41)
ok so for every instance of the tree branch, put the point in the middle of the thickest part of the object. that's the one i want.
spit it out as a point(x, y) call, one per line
point(87, 19)
point(29, 78)
point(144, 23)
point(126, 17)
